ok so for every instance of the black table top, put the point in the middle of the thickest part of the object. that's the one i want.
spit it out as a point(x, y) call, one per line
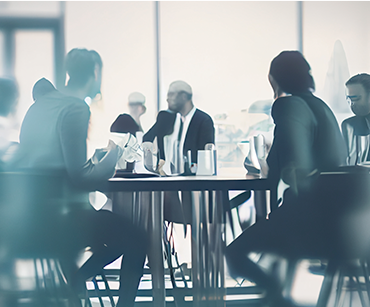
point(186, 183)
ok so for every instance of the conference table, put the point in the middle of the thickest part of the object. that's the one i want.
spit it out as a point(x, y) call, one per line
point(210, 200)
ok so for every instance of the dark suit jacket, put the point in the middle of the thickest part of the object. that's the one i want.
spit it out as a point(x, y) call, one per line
point(200, 132)
point(356, 133)
point(306, 137)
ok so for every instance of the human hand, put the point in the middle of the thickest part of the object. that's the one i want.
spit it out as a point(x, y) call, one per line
point(160, 167)
point(101, 153)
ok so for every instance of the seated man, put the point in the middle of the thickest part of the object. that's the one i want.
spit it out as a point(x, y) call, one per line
point(356, 129)
point(53, 139)
point(306, 139)
point(181, 129)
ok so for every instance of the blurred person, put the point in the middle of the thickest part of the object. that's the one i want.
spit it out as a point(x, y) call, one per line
point(307, 140)
point(42, 87)
point(9, 95)
point(53, 139)
point(356, 129)
point(130, 123)
point(181, 128)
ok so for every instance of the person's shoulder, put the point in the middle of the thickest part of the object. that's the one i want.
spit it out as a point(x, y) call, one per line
point(124, 116)
point(201, 114)
point(165, 115)
point(72, 99)
point(350, 121)
point(287, 100)
point(288, 104)
point(355, 123)
point(73, 102)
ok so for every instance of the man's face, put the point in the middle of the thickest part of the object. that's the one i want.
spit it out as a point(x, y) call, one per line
point(176, 101)
point(358, 99)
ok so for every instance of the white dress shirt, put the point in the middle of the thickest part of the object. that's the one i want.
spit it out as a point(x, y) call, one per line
point(170, 142)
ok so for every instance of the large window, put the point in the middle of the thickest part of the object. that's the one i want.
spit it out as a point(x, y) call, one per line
point(35, 63)
point(221, 48)
point(336, 43)
point(31, 47)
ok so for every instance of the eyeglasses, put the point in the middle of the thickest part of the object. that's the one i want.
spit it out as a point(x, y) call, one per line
point(352, 99)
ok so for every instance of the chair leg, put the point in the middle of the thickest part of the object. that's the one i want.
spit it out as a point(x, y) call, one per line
point(87, 300)
point(359, 290)
point(40, 280)
point(327, 284)
point(51, 269)
point(365, 269)
point(339, 292)
point(290, 273)
point(97, 291)
point(107, 288)
point(71, 297)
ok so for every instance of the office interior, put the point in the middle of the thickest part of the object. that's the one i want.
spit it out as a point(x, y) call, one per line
point(221, 48)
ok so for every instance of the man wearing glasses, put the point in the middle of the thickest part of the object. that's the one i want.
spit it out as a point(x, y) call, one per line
point(356, 129)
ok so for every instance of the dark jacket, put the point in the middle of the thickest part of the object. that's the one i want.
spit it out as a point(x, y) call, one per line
point(356, 134)
point(200, 132)
point(306, 137)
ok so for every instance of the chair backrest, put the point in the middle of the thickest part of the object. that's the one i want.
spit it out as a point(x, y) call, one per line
point(340, 202)
point(30, 209)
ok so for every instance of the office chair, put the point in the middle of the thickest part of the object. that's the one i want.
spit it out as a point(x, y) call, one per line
point(343, 199)
point(345, 194)
point(30, 206)
point(27, 212)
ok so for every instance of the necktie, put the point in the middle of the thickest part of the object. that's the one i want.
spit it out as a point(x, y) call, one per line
point(179, 153)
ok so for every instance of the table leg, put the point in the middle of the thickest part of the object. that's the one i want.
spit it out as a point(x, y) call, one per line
point(146, 210)
point(260, 203)
point(155, 253)
point(208, 244)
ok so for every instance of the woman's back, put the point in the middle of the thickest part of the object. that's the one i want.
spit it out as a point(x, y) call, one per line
point(306, 137)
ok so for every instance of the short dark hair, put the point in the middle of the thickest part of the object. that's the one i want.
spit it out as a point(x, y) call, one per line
point(292, 72)
point(80, 65)
point(363, 79)
point(8, 96)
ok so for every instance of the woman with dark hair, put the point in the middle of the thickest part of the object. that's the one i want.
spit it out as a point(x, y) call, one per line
point(306, 135)
point(306, 139)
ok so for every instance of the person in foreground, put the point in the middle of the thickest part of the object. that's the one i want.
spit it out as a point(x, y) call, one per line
point(306, 139)
point(53, 139)
point(356, 129)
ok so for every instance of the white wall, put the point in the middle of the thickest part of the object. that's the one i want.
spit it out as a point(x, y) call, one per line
point(221, 48)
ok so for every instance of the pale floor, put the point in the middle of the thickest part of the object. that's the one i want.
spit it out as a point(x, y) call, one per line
point(305, 290)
